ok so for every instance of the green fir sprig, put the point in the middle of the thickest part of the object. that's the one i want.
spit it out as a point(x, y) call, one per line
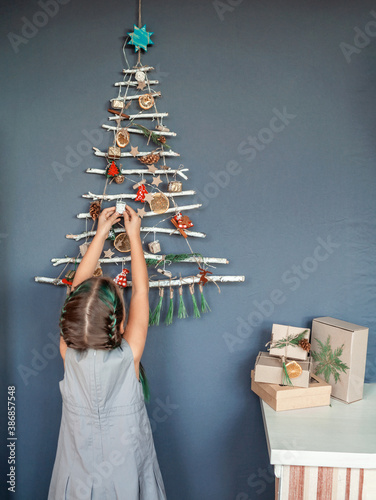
point(292, 340)
point(286, 380)
point(171, 258)
point(328, 361)
point(152, 135)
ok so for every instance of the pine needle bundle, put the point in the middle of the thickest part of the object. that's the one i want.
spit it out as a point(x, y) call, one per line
point(170, 312)
point(196, 312)
point(204, 305)
point(182, 311)
point(155, 316)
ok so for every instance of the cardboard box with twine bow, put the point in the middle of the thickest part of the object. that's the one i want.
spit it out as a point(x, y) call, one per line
point(284, 341)
point(269, 369)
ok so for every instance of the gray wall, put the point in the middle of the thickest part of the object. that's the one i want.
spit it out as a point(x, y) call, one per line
point(291, 203)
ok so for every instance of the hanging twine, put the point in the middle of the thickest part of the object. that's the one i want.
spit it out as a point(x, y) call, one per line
point(139, 25)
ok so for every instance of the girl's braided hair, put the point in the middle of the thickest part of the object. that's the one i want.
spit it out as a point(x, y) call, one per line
point(92, 314)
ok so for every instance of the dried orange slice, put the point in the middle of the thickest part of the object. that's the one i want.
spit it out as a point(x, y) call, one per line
point(146, 101)
point(159, 203)
point(122, 137)
point(122, 243)
point(294, 369)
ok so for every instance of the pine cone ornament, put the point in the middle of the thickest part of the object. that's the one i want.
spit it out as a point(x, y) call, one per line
point(119, 179)
point(149, 159)
point(162, 139)
point(95, 210)
point(304, 344)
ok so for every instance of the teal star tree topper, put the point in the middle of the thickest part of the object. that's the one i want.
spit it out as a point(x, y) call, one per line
point(140, 38)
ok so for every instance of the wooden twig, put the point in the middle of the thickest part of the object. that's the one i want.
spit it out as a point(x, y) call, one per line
point(138, 131)
point(142, 115)
point(135, 97)
point(130, 83)
point(112, 260)
point(150, 214)
point(161, 283)
point(127, 154)
point(139, 68)
point(141, 171)
point(110, 197)
point(161, 230)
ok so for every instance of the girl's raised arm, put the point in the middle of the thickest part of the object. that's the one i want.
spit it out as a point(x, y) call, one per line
point(85, 270)
point(138, 315)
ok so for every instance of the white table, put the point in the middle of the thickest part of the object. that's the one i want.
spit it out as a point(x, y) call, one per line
point(341, 436)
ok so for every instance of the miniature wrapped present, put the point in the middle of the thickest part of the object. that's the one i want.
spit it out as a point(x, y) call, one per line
point(339, 351)
point(289, 341)
point(273, 370)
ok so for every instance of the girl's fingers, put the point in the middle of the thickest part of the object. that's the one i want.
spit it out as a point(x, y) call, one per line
point(130, 210)
point(113, 217)
point(108, 210)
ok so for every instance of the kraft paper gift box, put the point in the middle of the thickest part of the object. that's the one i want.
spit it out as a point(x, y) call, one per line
point(339, 351)
point(281, 332)
point(282, 398)
point(268, 369)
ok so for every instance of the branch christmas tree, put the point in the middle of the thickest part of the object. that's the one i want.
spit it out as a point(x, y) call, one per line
point(157, 188)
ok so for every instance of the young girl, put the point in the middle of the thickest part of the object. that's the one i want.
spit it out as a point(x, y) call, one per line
point(105, 449)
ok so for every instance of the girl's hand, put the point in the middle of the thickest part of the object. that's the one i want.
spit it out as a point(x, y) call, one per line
point(132, 222)
point(106, 220)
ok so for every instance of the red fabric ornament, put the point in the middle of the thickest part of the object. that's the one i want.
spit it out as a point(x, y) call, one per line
point(141, 193)
point(183, 221)
point(121, 279)
point(113, 170)
point(67, 282)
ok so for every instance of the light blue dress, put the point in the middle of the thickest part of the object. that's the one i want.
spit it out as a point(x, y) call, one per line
point(105, 449)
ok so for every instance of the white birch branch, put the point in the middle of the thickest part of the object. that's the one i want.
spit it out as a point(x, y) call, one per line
point(193, 279)
point(150, 214)
point(140, 115)
point(141, 171)
point(162, 230)
point(161, 283)
point(97, 152)
point(140, 68)
point(135, 97)
point(110, 197)
point(138, 131)
point(112, 260)
point(130, 83)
